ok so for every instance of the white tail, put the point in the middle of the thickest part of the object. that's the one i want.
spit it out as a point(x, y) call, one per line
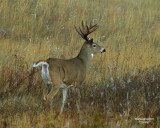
point(64, 73)
point(44, 71)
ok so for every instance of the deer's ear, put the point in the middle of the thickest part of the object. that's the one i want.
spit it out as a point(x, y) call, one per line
point(90, 41)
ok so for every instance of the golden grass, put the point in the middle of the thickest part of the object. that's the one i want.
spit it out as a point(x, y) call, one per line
point(35, 29)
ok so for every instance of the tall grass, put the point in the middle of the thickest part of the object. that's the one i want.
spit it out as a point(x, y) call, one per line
point(121, 85)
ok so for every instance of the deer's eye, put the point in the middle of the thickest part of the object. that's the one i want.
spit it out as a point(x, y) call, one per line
point(94, 45)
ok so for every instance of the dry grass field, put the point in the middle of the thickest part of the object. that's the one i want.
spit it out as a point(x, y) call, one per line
point(121, 85)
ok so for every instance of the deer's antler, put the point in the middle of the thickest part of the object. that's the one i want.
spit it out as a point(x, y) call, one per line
point(85, 31)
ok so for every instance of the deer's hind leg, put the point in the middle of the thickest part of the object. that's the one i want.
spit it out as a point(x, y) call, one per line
point(44, 96)
point(46, 89)
point(47, 83)
point(55, 86)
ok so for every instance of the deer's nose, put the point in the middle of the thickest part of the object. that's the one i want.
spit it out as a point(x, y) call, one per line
point(104, 50)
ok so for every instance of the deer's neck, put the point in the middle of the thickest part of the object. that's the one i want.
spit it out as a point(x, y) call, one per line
point(85, 55)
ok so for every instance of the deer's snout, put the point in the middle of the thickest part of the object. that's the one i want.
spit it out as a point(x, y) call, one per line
point(103, 50)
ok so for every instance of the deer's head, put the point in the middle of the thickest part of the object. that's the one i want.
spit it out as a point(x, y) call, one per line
point(93, 47)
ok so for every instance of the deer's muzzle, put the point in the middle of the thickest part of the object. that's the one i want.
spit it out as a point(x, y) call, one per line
point(103, 50)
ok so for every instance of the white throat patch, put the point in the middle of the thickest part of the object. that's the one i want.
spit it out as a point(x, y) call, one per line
point(92, 55)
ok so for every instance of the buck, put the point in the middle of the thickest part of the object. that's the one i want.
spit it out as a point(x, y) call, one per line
point(64, 73)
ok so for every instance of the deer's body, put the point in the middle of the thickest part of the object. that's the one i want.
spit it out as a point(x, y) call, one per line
point(64, 73)
point(71, 70)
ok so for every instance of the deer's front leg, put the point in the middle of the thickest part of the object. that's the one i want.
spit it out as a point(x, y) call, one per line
point(64, 92)
point(51, 95)
point(56, 82)
point(78, 96)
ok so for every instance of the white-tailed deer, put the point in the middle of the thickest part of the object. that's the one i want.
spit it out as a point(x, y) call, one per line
point(64, 73)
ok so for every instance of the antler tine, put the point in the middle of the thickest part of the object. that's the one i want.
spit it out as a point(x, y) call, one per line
point(83, 25)
point(93, 26)
point(85, 31)
point(91, 23)
point(78, 31)
point(81, 31)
